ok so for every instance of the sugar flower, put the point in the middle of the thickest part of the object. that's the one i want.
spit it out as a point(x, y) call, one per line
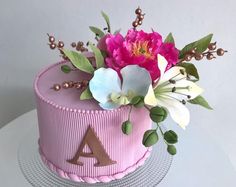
point(140, 48)
point(171, 92)
point(111, 92)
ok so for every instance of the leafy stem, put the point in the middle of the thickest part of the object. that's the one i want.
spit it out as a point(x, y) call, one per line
point(147, 107)
point(130, 110)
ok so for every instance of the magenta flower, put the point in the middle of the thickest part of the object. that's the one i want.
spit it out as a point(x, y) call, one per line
point(138, 48)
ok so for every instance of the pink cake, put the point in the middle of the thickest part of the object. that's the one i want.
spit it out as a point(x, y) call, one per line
point(65, 121)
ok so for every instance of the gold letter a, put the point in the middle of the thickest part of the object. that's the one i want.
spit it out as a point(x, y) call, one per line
point(96, 148)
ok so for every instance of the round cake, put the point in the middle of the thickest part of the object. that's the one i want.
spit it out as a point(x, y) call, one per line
point(81, 141)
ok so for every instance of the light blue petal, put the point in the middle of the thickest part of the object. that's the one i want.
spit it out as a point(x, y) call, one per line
point(109, 105)
point(135, 79)
point(103, 83)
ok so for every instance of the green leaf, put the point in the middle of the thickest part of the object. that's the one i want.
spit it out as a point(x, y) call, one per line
point(117, 31)
point(107, 21)
point(79, 61)
point(169, 39)
point(86, 94)
point(171, 149)
point(66, 68)
point(171, 137)
point(126, 127)
point(97, 31)
point(98, 56)
point(137, 101)
point(150, 137)
point(200, 45)
point(158, 114)
point(199, 100)
point(190, 69)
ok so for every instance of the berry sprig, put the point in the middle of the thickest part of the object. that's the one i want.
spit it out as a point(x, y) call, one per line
point(52, 43)
point(139, 18)
point(70, 84)
point(56, 45)
point(79, 46)
point(209, 54)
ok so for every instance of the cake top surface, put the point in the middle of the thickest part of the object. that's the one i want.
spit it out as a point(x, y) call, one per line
point(69, 98)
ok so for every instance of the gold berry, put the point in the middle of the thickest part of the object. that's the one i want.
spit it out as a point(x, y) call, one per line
point(65, 85)
point(140, 22)
point(53, 45)
point(60, 44)
point(73, 44)
point(198, 56)
point(210, 56)
point(138, 11)
point(51, 39)
point(141, 17)
point(188, 57)
point(135, 24)
point(212, 46)
point(56, 87)
point(220, 52)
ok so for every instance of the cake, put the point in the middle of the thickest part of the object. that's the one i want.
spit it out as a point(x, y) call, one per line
point(96, 107)
point(64, 121)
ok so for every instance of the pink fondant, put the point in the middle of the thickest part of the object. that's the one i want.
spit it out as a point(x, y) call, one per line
point(104, 178)
point(64, 119)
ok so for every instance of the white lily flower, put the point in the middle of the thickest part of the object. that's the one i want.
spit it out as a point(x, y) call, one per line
point(171, 92)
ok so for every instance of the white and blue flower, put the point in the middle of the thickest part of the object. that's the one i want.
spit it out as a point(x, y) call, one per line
point(111, 92)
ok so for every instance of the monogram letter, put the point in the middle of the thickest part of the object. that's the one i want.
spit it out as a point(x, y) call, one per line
point(97, 150)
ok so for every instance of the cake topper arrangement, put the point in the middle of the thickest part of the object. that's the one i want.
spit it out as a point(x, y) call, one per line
point(139, 69)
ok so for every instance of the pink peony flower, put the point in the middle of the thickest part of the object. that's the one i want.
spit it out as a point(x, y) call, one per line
point(138, 48)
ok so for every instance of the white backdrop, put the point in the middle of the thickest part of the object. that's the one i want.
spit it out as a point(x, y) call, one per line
point(24, 50)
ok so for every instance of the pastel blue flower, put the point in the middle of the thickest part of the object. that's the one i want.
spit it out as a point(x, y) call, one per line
point(111, 92)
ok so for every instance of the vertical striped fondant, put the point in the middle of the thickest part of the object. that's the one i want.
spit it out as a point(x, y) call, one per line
point(63, 122)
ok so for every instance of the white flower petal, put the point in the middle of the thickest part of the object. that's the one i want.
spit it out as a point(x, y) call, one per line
point(178, 111)
point(103, 83)
point(135, 79)
point(183, 89)
point(174, 73)
point(150, 98)
point(162, 64)
point(193, 89)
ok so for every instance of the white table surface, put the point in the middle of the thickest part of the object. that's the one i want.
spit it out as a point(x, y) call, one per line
point(200, 162)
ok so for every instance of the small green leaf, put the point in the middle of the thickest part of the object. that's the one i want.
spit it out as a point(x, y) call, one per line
point(171, 137)
point(190, 69)
point(117, 31)
point(158, 114)
point(170, 39)
point(98, 32)
point(66, 68)
point(86, 94)
point(200, 45)
point(126, 127)
point(199, 100)
point(107, 21)
point(137, 101)
point(98, 56)
point(150, 137)
point(171, 149)
point(79, 61)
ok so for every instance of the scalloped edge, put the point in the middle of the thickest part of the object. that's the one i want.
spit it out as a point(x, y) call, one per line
point(61, 107)
point(92, 180)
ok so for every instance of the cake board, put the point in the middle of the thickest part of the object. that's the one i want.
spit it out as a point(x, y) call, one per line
point(37, 174)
